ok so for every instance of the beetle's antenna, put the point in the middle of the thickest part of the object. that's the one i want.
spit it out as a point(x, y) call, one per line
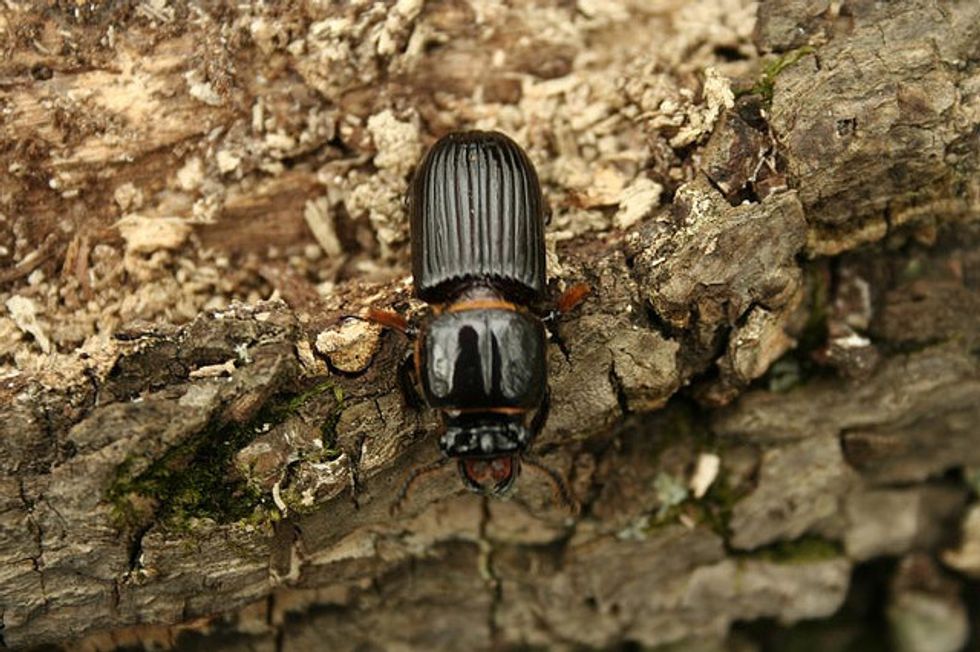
point(413, 477)
point(563, 493)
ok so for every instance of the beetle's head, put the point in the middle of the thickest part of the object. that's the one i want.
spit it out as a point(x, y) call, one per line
point(484, 438)
point(490, 476)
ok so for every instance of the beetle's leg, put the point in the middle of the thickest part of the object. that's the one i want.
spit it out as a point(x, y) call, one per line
point(568, 301)
point(541, 416)
point(562, 492)
point(408, 382)
point(572, 297)
point(414, 476)
point(388, 319)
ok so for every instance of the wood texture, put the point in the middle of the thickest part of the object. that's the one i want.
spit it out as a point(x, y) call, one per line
point(774, 380)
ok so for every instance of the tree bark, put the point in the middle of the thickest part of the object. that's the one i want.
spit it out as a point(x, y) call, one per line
point(775, 379)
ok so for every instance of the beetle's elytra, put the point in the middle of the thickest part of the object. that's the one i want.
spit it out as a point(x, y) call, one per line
point(477, 218)
point(478, 260)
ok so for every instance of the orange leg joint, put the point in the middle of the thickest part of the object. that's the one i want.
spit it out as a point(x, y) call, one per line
point(572, 297)
point(388, 319)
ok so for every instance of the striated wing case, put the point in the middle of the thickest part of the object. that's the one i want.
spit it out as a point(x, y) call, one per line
point(477, 213)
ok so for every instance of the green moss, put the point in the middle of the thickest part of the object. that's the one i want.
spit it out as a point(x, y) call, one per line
point(295, 504)
point(190, 481)
point(913, 270)
point(766, 84)
point(971, 476)
point(716, 507)
point(804, 550)
point(195, 480)
point(293, 404)
point(685, 423)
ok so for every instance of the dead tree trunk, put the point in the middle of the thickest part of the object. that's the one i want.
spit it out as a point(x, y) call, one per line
point(776, 378)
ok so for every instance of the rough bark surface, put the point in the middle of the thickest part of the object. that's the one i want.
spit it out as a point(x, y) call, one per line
point(775, 381)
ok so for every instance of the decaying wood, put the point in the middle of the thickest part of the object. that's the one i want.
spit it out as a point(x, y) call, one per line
point(774, 379)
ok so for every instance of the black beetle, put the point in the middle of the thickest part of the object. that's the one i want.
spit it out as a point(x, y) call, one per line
point(478, 259)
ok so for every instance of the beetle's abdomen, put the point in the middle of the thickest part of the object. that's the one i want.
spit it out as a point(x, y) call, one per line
point(477, 213)
point(484, 359)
